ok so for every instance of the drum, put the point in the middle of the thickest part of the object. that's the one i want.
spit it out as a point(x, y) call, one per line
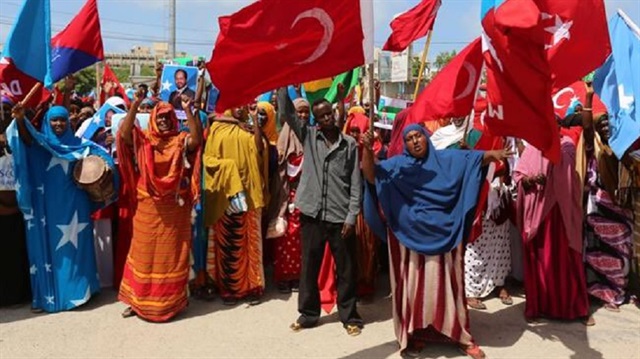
point(93, 175)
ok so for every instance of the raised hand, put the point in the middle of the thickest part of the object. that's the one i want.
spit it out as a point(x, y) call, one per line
point(186, 102)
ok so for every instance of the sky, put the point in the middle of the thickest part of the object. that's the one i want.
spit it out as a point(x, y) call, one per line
point(126, 23)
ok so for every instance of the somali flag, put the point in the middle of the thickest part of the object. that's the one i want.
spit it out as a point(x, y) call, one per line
point(28, 47)
point(617, 83)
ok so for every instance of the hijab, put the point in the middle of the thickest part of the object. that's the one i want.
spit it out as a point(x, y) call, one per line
point(449, 135)
point(396, 145)
point(269, 126)
point(429, 203)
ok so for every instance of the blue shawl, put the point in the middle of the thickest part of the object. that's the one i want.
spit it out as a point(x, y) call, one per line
point(56, 213)
point(428, 203)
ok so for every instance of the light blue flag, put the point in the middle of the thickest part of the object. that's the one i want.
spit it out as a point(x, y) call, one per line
point(617, 83)
point(29, 42)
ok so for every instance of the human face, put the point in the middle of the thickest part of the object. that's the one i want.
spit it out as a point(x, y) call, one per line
point(145, 108)
point(324, 115)
point(578, 109)
point(367, 107)
point(416, 143)
point(303, 113)
point(262, 116)
point(602, 127)
point(164, 123)
point(58, 125)
point(6, 112)
point(239, 113)
point(458, 122)
point(181, 79)
point(107, 118)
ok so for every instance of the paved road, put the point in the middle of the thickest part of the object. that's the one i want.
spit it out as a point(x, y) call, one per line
point(209, 329)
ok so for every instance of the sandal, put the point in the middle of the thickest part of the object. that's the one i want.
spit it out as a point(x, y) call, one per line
point(505, 298)
point(353, 330)
point(474, 351)
point(589, 321)
point(476, 303)
point(36, 310)
point(611, 307)
point(128, 313)
point(412, 350)
point(296, 327)
point(229, 301)
point(254, 300)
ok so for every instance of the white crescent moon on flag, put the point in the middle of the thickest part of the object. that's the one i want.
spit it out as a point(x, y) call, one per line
point(327, 23)
point(472, 81)
point(556, 97)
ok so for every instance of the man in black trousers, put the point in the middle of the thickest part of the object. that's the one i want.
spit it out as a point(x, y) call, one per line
point(328, 196)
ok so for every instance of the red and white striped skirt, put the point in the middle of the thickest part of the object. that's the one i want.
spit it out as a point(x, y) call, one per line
point(428, 294)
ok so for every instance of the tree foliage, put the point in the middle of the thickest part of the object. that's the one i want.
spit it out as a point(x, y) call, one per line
point(443, 58)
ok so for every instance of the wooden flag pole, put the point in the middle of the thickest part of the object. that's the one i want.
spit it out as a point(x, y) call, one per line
point(372, 97)
point(98, 87)
point(423, 61)
point(33, 91)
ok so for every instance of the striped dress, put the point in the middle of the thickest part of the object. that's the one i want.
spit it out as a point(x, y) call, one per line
point(428, 295)
point(155, 275)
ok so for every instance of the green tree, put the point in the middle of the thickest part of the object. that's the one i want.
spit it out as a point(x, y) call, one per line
point(443, 58)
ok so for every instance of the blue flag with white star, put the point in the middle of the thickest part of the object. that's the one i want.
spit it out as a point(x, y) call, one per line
point(57, 214)
point(617, 83)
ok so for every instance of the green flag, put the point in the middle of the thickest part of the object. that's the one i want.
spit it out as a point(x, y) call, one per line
point(349, 79)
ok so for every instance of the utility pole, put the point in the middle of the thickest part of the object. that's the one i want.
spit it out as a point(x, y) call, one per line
point(172, 29)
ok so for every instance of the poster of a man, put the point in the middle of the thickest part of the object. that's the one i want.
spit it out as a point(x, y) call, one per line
point(178, 81)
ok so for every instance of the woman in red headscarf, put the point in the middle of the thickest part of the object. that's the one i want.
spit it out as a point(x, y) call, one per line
point(162, 164)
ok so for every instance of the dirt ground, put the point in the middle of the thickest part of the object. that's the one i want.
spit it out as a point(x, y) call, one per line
point(212, 330)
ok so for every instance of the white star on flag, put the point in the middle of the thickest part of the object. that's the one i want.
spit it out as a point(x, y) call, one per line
point(560, 30)
point(49, 299)
point(166, 85)
point(55, 161)
point(81, 301)
point(44, 221)
point(33, 269)
point(47, 267)
point(17, 186)
point(40, 189)
point(625, 100)
point(70, 231)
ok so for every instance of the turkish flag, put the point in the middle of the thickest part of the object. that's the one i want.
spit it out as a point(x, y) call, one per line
point(412, 25)
point(576, 38)
point(273, 43)
point(518, 77)
point(576, 92)
point(109, 76)
point(452, 91)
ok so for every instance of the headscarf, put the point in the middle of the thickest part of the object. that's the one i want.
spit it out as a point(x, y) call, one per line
point(162, 160)
point(396, 146)
point(116, 101)
point(449, 135)
point(356, 109)
point(563, 187)
point(269, 127)
point(429, 203)
point(572, 107)
point(148, 101)
point(67, 138)
point(300, 102)
point(361, 122)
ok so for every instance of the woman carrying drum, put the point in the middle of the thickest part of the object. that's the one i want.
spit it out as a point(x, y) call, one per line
point(62, 262)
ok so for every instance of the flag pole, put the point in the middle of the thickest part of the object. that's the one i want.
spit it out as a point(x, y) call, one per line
point(422, 63)
point(98, 89)
point(372, 97)
point(33, 91)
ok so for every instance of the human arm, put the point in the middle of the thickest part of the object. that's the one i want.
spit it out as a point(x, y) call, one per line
point(194, 140)
point(497, 155)
point(200, 87)
point(126, 128)
point(341, 109)
point(69, 85)
point(368, 158)
point(287, 113)
point(355, 196)
point(18, 113)
point(588, 129)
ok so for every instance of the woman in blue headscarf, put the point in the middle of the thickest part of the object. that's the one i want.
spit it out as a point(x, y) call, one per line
point(62, 261)
point(426, 198)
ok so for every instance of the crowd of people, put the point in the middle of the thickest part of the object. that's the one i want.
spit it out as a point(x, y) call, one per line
point(199, 207)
